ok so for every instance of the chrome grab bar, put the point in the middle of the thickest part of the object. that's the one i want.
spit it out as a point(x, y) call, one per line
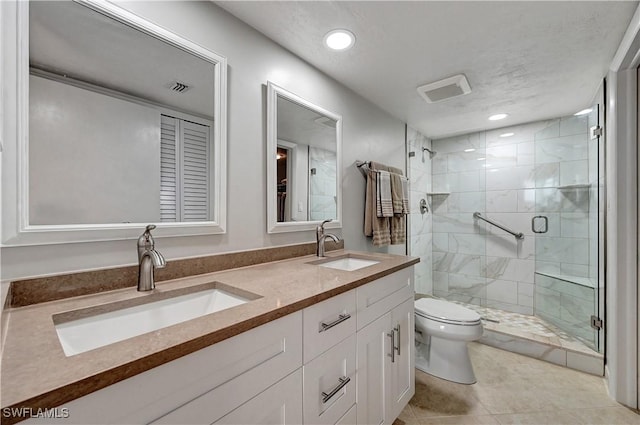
point(500, 226)
point(341, 383)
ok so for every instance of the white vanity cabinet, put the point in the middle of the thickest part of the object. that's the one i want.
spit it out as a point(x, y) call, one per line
point(385, 348)
point(346, 360)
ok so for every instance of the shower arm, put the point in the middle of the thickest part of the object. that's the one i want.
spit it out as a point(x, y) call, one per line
point(432, 153)
point(518, 235)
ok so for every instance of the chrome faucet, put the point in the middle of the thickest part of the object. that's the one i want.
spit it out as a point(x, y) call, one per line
point(321, 236)
point(148, 260)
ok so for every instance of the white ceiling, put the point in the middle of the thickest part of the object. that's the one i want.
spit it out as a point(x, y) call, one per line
point(299, 124)
point(70, 39)
point(532, 60)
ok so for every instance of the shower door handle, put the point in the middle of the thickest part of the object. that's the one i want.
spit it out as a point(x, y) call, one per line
point(535, 224)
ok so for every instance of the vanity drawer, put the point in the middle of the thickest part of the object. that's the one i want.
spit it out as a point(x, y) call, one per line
point(329, 384)
point(327, 323)
point(280, 404)
point(376, 298)
point(243, 367)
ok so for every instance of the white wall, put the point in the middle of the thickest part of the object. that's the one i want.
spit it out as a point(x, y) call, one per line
point(622, 315)
point(622, 222)
point(368, 134)
point(83, 143)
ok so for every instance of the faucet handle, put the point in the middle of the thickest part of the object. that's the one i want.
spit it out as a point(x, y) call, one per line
point(146, 240)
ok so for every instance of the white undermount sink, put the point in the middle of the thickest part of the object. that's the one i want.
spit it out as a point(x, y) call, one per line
point(96, 328)
point(347, 263)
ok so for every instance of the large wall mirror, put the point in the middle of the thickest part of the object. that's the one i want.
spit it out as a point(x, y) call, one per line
point(303, 163)
point(126, 126)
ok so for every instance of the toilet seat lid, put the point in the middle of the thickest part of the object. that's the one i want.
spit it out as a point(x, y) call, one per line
point(444, 311)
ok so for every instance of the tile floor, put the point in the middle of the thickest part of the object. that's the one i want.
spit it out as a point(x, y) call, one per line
point(514, 389)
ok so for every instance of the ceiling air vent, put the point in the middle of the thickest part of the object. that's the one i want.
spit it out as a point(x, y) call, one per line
point(177, 86)
point(445, 89)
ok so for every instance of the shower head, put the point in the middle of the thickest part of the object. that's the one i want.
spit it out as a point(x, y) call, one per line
point(431, 153)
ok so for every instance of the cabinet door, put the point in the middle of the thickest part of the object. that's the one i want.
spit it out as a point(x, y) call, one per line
point(373, 354)
point(280, 404)
point(401, 384)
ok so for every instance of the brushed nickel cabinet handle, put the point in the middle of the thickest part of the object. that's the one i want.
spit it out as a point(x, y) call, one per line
point(342, 382)
point(341, 318)
point(393, 345)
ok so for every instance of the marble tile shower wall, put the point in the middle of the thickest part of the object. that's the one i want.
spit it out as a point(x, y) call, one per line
point(420, 225)
point(508, 179)
point(322, 184)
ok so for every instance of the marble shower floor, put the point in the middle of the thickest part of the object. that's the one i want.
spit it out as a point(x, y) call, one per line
point(514, 389)
point(529, 327)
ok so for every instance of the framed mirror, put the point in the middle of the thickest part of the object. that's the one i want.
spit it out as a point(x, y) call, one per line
point(303, 163)
point(126, 127)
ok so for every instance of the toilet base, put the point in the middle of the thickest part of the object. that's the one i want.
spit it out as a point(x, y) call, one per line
point(445, 359)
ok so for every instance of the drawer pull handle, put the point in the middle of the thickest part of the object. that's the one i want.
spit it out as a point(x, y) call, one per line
point(326, 326)
point(392, 335)
point(397, 330)
point(343, 381)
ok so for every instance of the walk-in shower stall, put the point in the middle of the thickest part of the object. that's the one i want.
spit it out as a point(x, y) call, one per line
point(512, 219)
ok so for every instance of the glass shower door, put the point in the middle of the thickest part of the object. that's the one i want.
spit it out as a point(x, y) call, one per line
point(566, 224)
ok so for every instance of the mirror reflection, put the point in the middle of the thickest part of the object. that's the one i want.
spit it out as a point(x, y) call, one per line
point(121, 124)
point(306, 163)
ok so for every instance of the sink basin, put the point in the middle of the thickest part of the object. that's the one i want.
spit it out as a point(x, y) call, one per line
point(93, 327)
point(346, 262)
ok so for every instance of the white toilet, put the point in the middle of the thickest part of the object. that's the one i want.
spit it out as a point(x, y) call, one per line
point(442, 332)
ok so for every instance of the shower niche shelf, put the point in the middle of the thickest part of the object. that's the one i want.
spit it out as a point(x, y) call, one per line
point(438, 193)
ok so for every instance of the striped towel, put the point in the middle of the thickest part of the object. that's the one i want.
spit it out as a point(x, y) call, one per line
point(400, 194)
point(375, 227)
point(384, 206)
point(405, 195)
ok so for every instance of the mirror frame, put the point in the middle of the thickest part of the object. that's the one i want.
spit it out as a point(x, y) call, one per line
point(16, 229)
point(273, 225)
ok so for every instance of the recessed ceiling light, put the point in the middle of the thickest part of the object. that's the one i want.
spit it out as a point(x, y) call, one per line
point(497, 117)
point(339, 39)
point(480, 159)
point(507, 134)
point(583, 112)
point(469, 150)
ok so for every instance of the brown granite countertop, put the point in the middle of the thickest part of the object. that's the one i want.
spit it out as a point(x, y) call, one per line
point(37, 374)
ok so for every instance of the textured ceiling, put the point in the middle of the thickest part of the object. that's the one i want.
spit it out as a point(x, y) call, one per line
point(532, 60)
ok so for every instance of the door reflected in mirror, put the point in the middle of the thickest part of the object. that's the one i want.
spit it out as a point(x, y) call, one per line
point(303, 151)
